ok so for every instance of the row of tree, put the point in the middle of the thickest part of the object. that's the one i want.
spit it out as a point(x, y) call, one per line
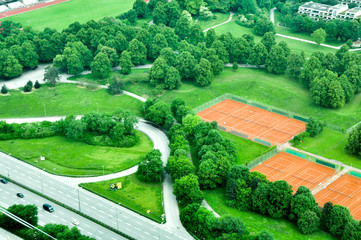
point(29, 213)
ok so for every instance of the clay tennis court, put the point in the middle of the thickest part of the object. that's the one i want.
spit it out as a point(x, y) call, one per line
point(345, 191)
point(253, 122)
point(296, 171)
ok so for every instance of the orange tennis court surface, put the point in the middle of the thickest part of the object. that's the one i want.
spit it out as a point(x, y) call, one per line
point(253, 122)
point(345, 191)
point(296, 171)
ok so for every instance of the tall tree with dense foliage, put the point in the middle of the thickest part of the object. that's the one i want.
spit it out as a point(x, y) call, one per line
point(308, 222)
point(203, 73)
point(276, 61)
point(187, 190)
point(262, 26)
point(137, 51)
point(125, 62)
point(185, 64)
point(182, 28)
point(140, 8)
point(294, 65)
point(339, 218)
point(314, 127)
point(319, 36)
point(160, 114)
point(172, 79)
point(258, 55)
point(151, 168)
point(51, 75)
point(353, 144)
point(268, 40)
point(280, 197)
point(101, 66)
point(28, 213)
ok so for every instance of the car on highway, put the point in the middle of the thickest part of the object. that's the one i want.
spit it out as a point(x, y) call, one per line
point(20, 195)
point(75, 222)
point(48, 207)
point(4, 181)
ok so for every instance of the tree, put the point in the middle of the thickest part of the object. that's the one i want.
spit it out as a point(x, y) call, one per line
point(28, 213)
point(302, 201)
point(325, 216)
point(125, 62)
point(319, 36)
point(353, 144)
point(279, 198)
point(196, 34)
point(308, 71)
point(158, 72)
point(140, 8)
point(235, 66)
point(28, 88)
point(173, 13)
point(221, 50)
point(187, 190)
point(335, 95)
point(159, 43)
point(137, 51)
point(210, 37)
point(241, 50)
point(353, 74)
point(258, 55)
point(352, 231)
point(116, 87)
point(230, 224)
point(101, 66)
point(276, 61)
point(207, 174)
point(203, 73)
point(29, 58)
point(112, 55)
point(74, 65)
point(268, 40)
point(294, 65)
point(314, 127)
point(264, 235)
point(339, 218)
point(4, 89)
point(189, 122)
point(180, 166)
point(308, 222)
point(260, 198)
point(160, 114)
point(51, 75)
point(216, 63)
point(262, 26)
point(172, 79)
point(159, 14)
point(11, 67)
point(185, 64)
point(193, 6)
point(182, 28)
point(151, 168)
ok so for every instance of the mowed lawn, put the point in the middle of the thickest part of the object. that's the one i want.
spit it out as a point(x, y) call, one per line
point(59, 16)
point(331, 144)
point(65, 99)
point(256, 85)
point(77, 158)
point(294, 45)
point(134, 194)
point(281, 229)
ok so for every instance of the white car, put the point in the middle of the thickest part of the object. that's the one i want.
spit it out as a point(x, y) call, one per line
point(75, 222)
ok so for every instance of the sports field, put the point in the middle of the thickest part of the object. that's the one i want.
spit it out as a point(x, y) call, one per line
point(252, 122)
point(345, 191)
point(296, 171)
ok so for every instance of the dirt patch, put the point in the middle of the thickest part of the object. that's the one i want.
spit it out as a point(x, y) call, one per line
point(8, 94)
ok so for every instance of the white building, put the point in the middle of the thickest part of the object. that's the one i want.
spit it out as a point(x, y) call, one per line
point(327, 12)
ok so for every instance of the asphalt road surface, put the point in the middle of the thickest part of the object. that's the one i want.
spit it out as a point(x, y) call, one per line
point(60, 215)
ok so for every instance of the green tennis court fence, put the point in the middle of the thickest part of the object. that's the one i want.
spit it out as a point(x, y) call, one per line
point(327, 164)
point(295, 153)
point(262, 158)
point(355, 174)
point(262, 142)
point(239, 134)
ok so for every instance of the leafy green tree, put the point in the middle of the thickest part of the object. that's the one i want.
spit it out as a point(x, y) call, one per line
point(28, 213)
point(187, 216)
point(319, 36)
point(180, 166)
point(125, 62)
point(153, 3)
point(173, 13)
point(193, 6)
point(325, 216)
point(196, 34)
point(241, 50)
point(160, 14)
point(51, 75)
point(171, 37)
point(11, 67)
point(157, 72)
point(182, 28)
point(264, 235)
point(314, 127)
point(4, 89)
point(203, 73)
point(207, 174)
point(185, 64)
point(280, 197)
point(353, 144)
point(230, 224)
point(294, 65)
point(29, 58)
point(116, 87)
point(168, 55)
point(335, 95)
point(262, 26)
point(302, 201)
point(276, 61)
point(258, 54)
point(308, 222)
point(352, 231)
point(159, 43)
point(172, 79)
point(112, 55)
point(268, 40)
point(151, 168)
point(307, 73)
point(318, 90)
point(331, 30)
point(353, 74)
point(74, 65)
point(160, 114)
point(339, 218)
point(216, 63)
point(101, 67)
point(187, 190)
point(189, 122)
point(140, 8)
point(210, 37)
point(261, 198)
point(137, 51)
point(235, 66)
point(221, 51)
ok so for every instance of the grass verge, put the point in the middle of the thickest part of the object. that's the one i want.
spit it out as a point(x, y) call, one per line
point(59, 16)
point(281, 229)
point(65, 99)
point(76, 158)
point(134, 194)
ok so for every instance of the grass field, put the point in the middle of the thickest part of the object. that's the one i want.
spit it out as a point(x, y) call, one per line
point(64, 99)
point(281, 229)
point(294, 45)
point(59, 16)
point(77, 158)
point(331, 144)
point(254, 84)
point(134, 194)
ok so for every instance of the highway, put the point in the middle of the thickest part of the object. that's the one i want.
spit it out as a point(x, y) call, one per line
point(60, 215)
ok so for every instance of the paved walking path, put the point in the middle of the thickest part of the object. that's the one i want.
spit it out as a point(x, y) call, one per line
point(229, 19)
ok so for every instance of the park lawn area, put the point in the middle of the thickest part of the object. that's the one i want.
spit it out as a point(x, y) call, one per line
point(220, 17)
point(294, 45)
point(134, 194)
point(59, 16)
point(77, 158)
point(256, 85)
point(331, 144)
point(65, 99)
point(281, 229)
point(247, 149)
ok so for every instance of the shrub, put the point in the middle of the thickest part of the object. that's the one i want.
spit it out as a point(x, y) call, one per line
point(30, 83)
point(116, 87)
point(4, 89)
point(314, 127)
point(27, 88)
point(37, 85)
point(299, 138)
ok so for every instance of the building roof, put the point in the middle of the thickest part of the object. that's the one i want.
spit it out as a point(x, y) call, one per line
point(354, 10)
point(316, 6)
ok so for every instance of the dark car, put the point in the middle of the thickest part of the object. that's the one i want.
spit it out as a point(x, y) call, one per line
point(20, 195)
point(3, 180)
point(48, 207)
